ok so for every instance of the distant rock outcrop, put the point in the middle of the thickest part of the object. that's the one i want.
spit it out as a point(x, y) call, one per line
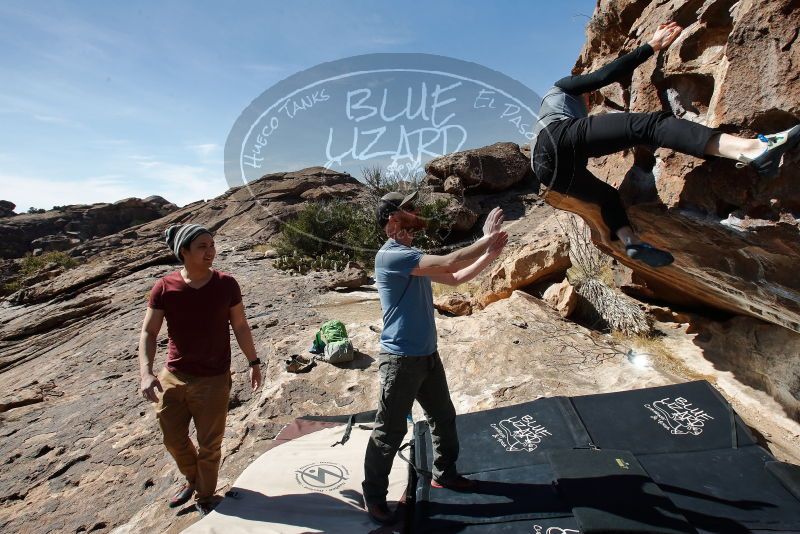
point(7, 208)
point(249, 215)
point(67, 226)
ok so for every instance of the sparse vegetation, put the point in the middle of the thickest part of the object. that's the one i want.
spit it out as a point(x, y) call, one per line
point(32, 265)
point(592, 276)
point(327, 235)
point(33, 210)
point(11, 287)
point(379, 182)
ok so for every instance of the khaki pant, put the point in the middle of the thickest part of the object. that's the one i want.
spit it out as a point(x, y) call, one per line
point(204, 399)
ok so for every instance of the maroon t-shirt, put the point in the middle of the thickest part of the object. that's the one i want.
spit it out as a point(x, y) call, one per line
point(197, 322)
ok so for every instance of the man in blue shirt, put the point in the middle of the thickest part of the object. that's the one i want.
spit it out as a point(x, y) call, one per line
point(409, 364)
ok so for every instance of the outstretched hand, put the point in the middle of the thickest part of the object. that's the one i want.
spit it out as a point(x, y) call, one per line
point(494, 221)
point(497, 242)
point(665, 35)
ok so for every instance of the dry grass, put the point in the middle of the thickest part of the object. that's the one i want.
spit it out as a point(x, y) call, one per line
point(592, 276)
point(619, 311)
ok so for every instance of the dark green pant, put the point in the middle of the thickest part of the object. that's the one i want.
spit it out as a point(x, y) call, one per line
point(403, 379)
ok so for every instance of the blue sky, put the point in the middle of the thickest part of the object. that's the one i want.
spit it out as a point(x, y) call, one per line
point(100, 101)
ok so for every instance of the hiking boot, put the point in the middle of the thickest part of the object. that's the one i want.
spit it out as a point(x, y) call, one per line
point(182, 497)
point(299, 364)
point(457, 483)
point(204, 508)
point(649, 254)
point(379, 512)
point(768, 162)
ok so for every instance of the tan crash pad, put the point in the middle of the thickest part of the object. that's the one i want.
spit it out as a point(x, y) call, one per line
point(303, 485)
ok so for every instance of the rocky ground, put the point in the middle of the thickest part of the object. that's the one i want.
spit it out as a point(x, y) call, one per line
point(82, 451)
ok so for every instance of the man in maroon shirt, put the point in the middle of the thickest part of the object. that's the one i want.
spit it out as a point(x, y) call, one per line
point(199, 303)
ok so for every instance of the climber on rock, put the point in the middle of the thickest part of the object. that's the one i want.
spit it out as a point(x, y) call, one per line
point(565, 136)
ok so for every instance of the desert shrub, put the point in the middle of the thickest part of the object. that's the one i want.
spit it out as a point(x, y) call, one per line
point(379, 182)
point(592, 276)
point(31, 265)
point(326, 235)
point(10, 287)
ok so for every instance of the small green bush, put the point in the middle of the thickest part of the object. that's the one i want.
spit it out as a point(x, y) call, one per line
point(10, 287)
point(31, 265)
point(327, 235)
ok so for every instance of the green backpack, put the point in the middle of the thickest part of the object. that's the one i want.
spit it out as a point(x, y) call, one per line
point(332, 340)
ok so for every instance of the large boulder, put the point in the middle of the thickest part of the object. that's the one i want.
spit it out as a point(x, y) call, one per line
point(734, 236)
point(453, 303)
point(491, 168)
point(539, 255)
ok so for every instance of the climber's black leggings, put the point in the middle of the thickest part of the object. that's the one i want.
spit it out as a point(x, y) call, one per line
point(563, 148)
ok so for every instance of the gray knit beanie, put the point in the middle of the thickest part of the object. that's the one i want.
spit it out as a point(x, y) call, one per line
point(182, 235)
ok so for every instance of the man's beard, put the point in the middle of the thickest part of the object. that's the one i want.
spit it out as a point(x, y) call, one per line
point(413, 226)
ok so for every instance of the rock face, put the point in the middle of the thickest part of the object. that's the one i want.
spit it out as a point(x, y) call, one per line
point(7, 208)
point(492, 168)
point(540, 254)
point(735, 237)
point(68, 226)
point(453, 303)
point(761, 355)
point(72, 424)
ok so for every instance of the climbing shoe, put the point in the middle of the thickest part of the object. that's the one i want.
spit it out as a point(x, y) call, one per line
point(649, 254)
point(768, 162)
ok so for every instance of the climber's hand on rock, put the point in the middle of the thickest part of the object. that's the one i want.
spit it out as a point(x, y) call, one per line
point(665, 35)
